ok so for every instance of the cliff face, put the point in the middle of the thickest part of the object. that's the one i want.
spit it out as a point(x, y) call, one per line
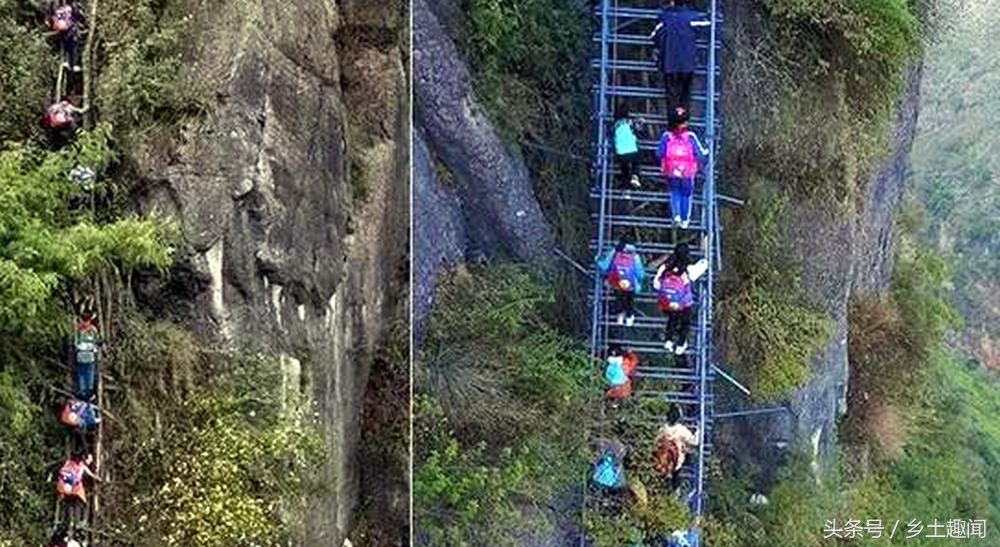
point(860, 251)
point(292, 197)
point(844, 245)
point(479, 195)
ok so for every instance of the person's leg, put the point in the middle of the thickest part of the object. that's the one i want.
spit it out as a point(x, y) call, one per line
point(630, 164)
point(668, 331)
point(618, 305)
point(683, 325)
point(71, 46)
point(628, 305)
point(684, 85)
point(676, 198)
point(670, 90)
point(79, 379)
point(89, 378)
point(686, 190)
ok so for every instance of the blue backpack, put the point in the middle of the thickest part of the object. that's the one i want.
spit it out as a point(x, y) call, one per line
point(608, 473)
point(614, 373)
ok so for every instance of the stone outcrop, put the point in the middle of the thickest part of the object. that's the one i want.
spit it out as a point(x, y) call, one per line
point(292, 197)
point(486, 200)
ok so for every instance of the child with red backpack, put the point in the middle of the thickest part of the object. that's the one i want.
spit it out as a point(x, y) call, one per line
point(70, 487)
point(63, 20)
point(619, 372)
point(681, 154)
point(674, 288)
point(623, 270)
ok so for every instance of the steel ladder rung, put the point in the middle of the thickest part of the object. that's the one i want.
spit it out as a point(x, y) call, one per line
point(641, 196)
point(642, 92)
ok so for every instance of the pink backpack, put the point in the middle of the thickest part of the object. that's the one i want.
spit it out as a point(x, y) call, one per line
point(679, 160)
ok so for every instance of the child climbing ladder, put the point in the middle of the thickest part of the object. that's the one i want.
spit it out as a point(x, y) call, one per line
point(674, 372)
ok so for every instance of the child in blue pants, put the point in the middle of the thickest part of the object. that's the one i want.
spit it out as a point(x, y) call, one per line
point(681, 155)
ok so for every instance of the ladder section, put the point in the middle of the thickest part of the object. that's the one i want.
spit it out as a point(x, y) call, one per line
point(628, 75)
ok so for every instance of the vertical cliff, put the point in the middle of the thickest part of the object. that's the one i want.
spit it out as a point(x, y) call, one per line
point(292, 195)
point(471, 192)
point(820, 142)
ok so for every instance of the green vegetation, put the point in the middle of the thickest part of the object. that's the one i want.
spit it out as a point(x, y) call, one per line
point(801, 147)
point(52, 245)
point(919, 441)
point(771, 331)
point(142, 82)
point(201, 448)
point(218, 448)
point(50, 240)
point(28, 64)
point(947, 470)
point(526, 59)
point(501, 412)
point(25, 453)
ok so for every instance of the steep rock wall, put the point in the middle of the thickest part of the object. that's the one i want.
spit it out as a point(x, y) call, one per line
point(841, 239)
point(488, 187)
point(279, 255)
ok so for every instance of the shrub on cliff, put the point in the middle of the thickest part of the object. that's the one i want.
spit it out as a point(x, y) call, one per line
point(500, 413)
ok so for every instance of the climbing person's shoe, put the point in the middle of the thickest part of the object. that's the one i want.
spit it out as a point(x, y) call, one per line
point(621, 318)
point(677, 219)
point(679, 350)
point(668, 345)
point(77, 68)
point(684, 224)
point(634, 181)
point(629, 319)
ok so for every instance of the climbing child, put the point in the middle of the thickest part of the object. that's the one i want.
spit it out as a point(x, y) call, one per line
point(85, 349)
point(675, 293)
point(61, 119)
point(70, 487)
point(609, 466)
point(674, 38)
point(681, 154)
point(619, 369)
point(627, 146)
point(63, 20)
point(623, 270)
point(81, 416)
point(673, 442)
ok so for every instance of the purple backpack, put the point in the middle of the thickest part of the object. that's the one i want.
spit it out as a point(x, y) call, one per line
point(675, 293)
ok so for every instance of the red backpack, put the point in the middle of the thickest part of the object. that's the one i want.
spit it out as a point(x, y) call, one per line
point(57, 116)
point(679, 160)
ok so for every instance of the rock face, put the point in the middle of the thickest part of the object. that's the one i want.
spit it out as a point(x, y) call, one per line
point(485, 203)
point(844, 246)
point(868, 240)
point(280, 253)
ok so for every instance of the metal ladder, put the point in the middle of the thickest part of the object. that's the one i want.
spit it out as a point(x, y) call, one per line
point(627, 73)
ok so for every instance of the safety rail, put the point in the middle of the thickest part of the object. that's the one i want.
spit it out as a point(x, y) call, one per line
point(624, 51)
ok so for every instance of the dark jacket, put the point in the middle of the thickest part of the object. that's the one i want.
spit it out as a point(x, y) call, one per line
point(675, 39)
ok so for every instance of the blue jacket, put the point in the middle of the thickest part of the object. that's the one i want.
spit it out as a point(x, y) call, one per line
point(700, 152)
point(675, 39)
point(638, 272)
